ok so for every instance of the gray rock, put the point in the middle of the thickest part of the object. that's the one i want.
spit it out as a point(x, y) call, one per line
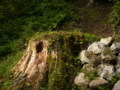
point(115, 47)
point(106, 41)
point(96, 47)
point(106, 71)
point(88, 68)
point(118, 72)
point(118, 66)
point(98, 60)
point(118, 61)
point(107, 55)
point(117, 86)
point(99, 81)
point(87, 57)
point(81, 80)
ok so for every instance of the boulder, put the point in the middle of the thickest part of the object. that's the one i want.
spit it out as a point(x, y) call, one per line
point(87, 57)
point(99, 81)
point(88, 68)
point(96, 47)
point(81, 80)
point(117, 86)
point(118, 61)
point(106, 41)
point(98, 60)
point(118, 64)
point(115, 47)
point(106, 71)
point(107, 55)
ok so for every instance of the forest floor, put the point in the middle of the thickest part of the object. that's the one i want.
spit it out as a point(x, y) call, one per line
point(93, 20)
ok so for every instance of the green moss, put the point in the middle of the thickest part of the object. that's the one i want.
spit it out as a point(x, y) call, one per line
point(90, 74)
point(63, 70)
point(92, 37)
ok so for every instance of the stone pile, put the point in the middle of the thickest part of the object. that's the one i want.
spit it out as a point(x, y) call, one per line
point(102, 61)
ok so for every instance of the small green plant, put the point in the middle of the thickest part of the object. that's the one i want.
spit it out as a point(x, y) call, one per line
point(114, 80)
point(102, 88)
point(28, 84)
point(42, 88)
point(90, 74)
point(91, 37)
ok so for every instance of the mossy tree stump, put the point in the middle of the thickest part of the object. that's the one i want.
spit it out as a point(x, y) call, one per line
point(50, 62)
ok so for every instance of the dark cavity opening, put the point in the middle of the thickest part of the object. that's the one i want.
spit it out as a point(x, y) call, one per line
point(39, 47)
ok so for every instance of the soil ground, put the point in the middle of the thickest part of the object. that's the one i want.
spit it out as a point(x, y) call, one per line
point(93, 20)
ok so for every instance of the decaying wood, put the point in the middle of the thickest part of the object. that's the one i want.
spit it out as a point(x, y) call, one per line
point(34, 59)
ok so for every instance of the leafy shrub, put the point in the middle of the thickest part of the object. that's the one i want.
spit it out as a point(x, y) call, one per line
point(20, 19)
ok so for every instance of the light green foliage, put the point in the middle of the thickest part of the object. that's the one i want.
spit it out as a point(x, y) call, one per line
point(28, 84)
point(92, 37)
point(90, 74)
point(102, 88)
point(5, 69)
